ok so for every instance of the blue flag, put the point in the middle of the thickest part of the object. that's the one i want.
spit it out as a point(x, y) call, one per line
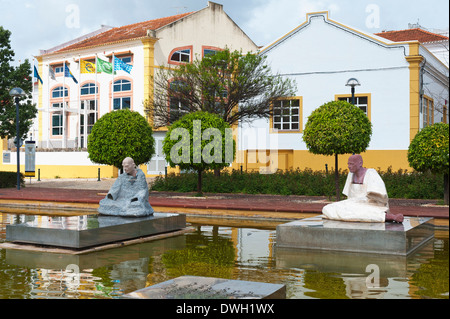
point(36, 75)
point(69, 74)
point(120, 65)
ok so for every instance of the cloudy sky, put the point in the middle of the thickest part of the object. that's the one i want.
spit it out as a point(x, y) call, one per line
point(43, 24)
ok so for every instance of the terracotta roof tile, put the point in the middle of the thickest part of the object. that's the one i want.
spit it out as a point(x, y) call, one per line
point(127, 32)
point(412, 34)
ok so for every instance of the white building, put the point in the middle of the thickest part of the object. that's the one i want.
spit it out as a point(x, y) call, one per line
point(402, 88)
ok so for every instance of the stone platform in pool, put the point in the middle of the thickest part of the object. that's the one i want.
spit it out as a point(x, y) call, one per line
point(374, 238)
point(195, 287)
point(80, 232)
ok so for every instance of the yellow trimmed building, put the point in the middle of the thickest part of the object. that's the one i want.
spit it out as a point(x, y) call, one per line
point(402, 88)
point(67, 110)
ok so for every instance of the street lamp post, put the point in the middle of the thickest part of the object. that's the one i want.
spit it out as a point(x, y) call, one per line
point(353, 82)
point(16, 93)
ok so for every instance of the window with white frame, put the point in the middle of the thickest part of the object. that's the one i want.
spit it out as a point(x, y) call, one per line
point(286, 114)
point(122, 86)
point(181, 56)
point(57, 124)
point(60, 92)
point(121, 103)
point(360, 101)
point(89, 89)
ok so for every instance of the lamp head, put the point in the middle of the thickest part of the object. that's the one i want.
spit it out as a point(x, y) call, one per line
point(16, 92)
point(352, 82)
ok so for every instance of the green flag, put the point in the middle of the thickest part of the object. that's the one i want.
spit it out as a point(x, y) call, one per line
point(103, 66)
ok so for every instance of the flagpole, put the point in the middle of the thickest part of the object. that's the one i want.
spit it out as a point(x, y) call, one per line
point(79, 103)
point(112, 86)
point(48, 107)
point(64, 105)
point(96, 90)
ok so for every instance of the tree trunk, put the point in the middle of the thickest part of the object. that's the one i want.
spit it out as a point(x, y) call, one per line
point(199, 182)
point(336, 177)
point(445, 189)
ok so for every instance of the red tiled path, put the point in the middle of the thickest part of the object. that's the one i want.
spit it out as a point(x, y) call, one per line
point(270, 203)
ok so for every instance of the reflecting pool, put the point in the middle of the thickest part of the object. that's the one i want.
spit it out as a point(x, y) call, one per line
point(224, 250)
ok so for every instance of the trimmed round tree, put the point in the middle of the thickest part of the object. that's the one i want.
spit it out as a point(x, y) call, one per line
point(429, 151)
point(199, 141)
point(335, 128)
point(121, 134)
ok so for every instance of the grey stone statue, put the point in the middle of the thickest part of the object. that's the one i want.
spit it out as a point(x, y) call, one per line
point(129, 195)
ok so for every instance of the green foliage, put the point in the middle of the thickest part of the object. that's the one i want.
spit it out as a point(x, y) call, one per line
point(337, 127)
point(429, 150)
point(195, 125)
point(233, 85)
point(121, 134)
point(399, 184)
point(9, 179)
point(11, 77)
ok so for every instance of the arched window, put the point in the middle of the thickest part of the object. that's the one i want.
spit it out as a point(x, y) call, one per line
point(89, 89)
point(60, 92)
point(122, 94)
point(122, 86)
point(181, 55)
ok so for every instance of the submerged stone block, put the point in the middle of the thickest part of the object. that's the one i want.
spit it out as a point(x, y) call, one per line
point(195, 287)
point(375, 238)
point(84, 231)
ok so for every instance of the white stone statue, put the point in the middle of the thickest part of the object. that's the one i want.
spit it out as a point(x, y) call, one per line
point(367, 199)
point(129, 195)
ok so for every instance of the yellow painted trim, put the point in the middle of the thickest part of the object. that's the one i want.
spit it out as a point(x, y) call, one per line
point(300, 114)
point(369, 101)
point(342, 25)
point(378, 159)
point(414, 60)
point(149, 70)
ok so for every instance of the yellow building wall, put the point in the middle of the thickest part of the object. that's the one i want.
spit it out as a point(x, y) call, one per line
point(289, 159)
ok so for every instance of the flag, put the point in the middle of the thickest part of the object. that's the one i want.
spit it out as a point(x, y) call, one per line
point(103, 66)
point(51, 72)
point(36, 75)
point(87, 67)
point(120, 65)
point(69, 74)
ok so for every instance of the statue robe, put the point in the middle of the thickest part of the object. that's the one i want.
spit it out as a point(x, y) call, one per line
point(366, 202)
point(129, 197)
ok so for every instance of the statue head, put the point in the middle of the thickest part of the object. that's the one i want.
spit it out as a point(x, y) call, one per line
point(128, 166)
point(355, 162)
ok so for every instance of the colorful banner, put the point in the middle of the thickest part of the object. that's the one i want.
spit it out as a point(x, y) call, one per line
point(87, 67)
point(103, 66)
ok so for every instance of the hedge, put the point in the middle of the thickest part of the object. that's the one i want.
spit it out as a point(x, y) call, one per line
point(399, 184)
point(9, 179)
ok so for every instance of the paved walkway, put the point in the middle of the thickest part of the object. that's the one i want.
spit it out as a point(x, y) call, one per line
point(91, 191)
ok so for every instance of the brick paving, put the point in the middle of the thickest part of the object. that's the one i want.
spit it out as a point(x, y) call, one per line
point(92, 191)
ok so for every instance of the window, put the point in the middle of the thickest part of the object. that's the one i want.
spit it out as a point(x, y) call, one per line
point(58, 105)
point(59, 92)
point(181, 56)
point(121, 103)
point(360, 101)
point(286, 114)
point(122, 85)
point(125, 59)
point(59, 69)
point(89, 88)
point(210, 52)
point(57, 124)
point(428, 111)
point(177, 106)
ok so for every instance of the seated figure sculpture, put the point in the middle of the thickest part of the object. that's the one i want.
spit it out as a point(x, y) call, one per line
point(129, 195)
point(367, 199)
